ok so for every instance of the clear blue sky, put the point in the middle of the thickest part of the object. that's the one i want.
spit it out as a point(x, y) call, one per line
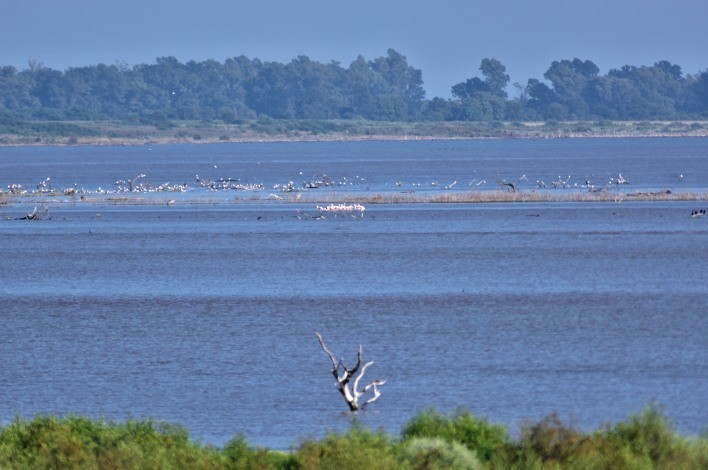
point(446, 39)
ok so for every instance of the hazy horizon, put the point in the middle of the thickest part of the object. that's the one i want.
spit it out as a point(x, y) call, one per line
point(447, 40)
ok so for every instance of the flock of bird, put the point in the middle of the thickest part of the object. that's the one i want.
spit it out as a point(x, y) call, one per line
point(140, 184)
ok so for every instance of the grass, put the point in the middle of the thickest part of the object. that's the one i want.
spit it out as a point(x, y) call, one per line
point(136, 132)
point(305, 199)
point(518, 196)
point(430, 440)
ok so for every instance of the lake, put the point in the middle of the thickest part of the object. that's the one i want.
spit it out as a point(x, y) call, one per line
point(204, 312)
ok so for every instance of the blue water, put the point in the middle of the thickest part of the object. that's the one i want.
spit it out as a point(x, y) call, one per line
point(649, 164)
point(204, 314)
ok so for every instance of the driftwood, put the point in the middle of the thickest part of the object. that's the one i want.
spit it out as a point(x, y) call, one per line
point(35, 215)
point(656, 193)
point(352, 394)
point(512, 186)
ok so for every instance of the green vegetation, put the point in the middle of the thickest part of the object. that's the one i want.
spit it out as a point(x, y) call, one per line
point(103, 132)
point(462, 428)
point(385, 89)
point(429, 441)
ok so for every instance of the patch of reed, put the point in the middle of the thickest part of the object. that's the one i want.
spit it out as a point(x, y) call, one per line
point(474, 197)
point(468, 197)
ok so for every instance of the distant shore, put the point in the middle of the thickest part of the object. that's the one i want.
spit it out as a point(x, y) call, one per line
point(106, 133)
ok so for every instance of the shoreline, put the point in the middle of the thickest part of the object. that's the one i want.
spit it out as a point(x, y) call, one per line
point(112, 133)
point(109, 142)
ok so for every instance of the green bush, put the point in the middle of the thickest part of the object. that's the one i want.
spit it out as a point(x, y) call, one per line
point(434, 453)
point(76, 442)
point(429, 441)
point(649, 436)
point(357, 449)
point(237, 455)
point(478, 435)
point(42, 443)
point(644, 441)
point(551, 440)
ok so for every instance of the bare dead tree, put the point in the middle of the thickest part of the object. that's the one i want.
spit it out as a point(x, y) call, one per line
point(352, 395)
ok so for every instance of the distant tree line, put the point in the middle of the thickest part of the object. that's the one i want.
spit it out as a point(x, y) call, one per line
point(383, 89)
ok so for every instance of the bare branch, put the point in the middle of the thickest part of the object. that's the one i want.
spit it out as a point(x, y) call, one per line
point(377, 392)
point(358, 378)
point(358, 362)
point(335, 365)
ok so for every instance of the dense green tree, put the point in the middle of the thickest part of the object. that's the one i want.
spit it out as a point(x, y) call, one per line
point(698, 95)
point(614, 98)
point(438, 109)
point(16, 91)
point(267, 92)
point(162, 80)
point(468, 88)
point(495, 77)
point(482, 106)
point(659, 89)
point(385, 88)
point(315, 89)
point(570, 81)
point(363, 86)
point(540, 96)
point(495, 81)
point(405, 85)
point(49, 87)
point(238, 72)
point(482, 100)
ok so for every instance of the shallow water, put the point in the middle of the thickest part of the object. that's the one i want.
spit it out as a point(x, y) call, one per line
point(205, 315)
point(649, 164)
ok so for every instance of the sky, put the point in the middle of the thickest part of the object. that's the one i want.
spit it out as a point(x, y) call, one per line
point(446, 39)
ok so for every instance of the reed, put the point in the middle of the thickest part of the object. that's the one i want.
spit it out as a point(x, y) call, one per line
point(478, 197)
point(303, 198)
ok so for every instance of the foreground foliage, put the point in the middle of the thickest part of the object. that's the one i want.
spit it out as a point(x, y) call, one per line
point(429, 441)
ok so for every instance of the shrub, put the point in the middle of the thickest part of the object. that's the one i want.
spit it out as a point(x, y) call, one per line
point(238, 455)
point(356, 449)
point(44, 442)
point(436, 453)
point(644, 441)
point(550, 439)
point(475, 434)
point(649, 435)
point(75, 442)
point(430, 441)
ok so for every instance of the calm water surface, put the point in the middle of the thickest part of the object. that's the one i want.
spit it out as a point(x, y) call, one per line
point(205, 315)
